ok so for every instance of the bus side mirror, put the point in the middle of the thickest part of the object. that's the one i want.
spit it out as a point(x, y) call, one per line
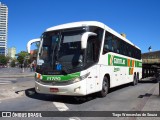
point(85, 38)
point(30, 43)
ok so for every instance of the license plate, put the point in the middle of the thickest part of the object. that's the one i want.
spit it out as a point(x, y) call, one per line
point(54, 90)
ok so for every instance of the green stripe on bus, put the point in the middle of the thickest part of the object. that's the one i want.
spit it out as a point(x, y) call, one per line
point(60, 77)
point(138, 64)
point(120, 61)
point(116, 60)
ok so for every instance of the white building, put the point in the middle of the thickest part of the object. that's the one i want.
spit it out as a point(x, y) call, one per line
point(12, 52)
point(3, 28)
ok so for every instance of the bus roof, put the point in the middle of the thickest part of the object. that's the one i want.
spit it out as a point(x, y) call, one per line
point(89, 23)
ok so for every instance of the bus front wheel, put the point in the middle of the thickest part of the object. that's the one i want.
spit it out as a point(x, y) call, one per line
point(105, 87)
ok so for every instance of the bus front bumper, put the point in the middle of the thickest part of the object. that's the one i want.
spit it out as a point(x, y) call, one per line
point(75, 89)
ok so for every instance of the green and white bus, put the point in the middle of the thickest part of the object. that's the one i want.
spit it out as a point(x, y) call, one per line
point(85, 57)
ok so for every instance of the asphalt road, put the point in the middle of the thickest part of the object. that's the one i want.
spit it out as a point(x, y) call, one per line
point(122, 98)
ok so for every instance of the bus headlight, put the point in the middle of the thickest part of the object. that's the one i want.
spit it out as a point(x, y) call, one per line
point(80, 78)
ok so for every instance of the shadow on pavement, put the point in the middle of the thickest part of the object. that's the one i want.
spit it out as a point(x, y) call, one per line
point(31, 93)
point(128, 85)
point(149, 81)
point(145, 95)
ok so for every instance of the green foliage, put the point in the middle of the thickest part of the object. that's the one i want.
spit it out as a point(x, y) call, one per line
point(21, 56)
point(3, 60)
point(20, 59)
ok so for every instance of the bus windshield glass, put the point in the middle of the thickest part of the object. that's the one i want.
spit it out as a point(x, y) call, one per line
point(62, 47)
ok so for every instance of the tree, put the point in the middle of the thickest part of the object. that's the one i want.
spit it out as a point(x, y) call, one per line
point(3, 60)
point(21, 56)
point(20, 59)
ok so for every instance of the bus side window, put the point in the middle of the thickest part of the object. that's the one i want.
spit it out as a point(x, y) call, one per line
point(118, 45)
point(106, 47)
point(115, 44)
point(108, 43)
point(122, 48)
point(93, 48)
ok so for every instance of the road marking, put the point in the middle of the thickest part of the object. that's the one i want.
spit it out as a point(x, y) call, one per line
point(74, 118)
point(4, 81)
point(61, 106)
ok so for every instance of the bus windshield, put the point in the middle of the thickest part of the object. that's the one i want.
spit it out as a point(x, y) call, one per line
point(62, 47)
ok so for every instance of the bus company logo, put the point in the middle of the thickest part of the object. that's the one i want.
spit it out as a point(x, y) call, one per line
point(111, 59)
point(115, 60)
point(53, 78)
point(119, 61)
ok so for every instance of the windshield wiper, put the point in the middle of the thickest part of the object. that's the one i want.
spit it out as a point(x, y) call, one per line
point(63, 68)
point(53, 54)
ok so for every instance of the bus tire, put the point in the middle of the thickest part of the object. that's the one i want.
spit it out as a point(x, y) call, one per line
point(137, 78)
point(105, 87)
point(134, 80)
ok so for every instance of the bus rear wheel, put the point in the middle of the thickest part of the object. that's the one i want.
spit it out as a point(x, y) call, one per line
point(135, 81)
point(105, 87)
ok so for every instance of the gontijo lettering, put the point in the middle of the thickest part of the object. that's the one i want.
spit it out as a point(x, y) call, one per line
point(119, 61)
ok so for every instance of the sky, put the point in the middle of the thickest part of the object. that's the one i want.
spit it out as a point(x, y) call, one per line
point(138, 19)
